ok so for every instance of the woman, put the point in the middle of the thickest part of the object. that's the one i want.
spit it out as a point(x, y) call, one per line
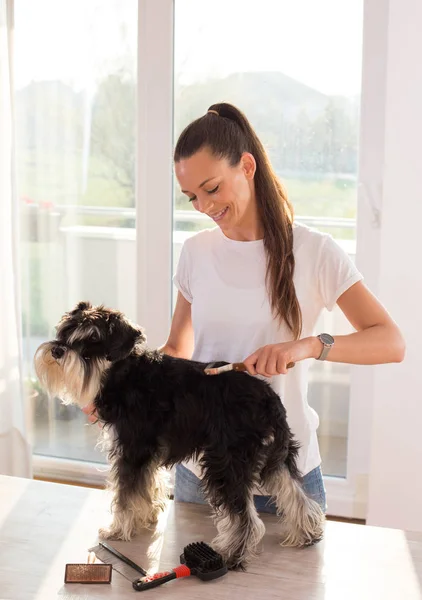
point(252, 288)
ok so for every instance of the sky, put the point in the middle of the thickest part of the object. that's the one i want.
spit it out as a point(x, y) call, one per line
point(317, 42)
point(71, 41)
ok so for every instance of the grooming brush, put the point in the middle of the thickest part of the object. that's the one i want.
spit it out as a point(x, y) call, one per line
point(90, 572)
point(120, 563)
point(197, 559)
point(210, 370)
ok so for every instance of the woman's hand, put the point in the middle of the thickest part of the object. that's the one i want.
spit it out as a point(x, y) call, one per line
point(273, 359)
point(89, 410)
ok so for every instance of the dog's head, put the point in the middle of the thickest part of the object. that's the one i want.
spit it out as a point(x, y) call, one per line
point(96, 332)
point(89, 339)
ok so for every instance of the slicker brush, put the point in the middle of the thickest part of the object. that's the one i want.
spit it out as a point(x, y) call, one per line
point(211, 370)
point(197, 559)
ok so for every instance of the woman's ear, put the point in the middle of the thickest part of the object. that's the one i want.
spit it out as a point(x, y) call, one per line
point(248, 165)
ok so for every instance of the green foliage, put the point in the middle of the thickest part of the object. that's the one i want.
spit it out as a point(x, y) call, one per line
point(113, 132)
point(304, 131)
point(33, 319)
point(74, 149)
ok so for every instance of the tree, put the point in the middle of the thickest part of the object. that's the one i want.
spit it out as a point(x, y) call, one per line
point(113, 133)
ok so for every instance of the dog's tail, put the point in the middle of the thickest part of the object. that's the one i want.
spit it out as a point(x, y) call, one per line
point(302, 517)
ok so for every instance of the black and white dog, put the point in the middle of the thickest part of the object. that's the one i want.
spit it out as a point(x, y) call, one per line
point(159, 410)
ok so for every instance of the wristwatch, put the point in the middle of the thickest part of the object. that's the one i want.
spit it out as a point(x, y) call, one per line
point(327, 342)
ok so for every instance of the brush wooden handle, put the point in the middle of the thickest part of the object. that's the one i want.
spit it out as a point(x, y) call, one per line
point(235, 367)
point(241, 366)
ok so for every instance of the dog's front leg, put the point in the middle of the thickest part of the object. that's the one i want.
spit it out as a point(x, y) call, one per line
point(139, 495)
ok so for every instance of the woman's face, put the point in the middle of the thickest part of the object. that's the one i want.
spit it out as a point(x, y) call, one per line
point(224, 193)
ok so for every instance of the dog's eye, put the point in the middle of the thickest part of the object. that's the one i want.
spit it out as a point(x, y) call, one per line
point(95, 337)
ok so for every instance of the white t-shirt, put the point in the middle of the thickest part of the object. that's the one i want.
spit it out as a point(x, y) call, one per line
point(224, 280)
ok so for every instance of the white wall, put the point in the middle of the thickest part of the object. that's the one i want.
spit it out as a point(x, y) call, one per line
point(395, 482)
point(100, 266)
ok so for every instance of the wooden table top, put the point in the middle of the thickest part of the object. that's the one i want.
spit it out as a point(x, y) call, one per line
point(43, 526)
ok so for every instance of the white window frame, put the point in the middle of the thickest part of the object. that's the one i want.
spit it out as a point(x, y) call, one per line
point(154, 197)
point(347, 497)
point(154, 202)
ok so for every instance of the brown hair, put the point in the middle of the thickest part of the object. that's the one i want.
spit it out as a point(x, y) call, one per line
point(227, 133)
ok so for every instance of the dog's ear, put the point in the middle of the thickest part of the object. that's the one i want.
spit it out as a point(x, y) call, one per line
point(123, 336)
point(83, 306)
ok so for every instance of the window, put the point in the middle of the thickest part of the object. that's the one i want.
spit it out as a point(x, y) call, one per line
point(294, 68)
point(75, 79)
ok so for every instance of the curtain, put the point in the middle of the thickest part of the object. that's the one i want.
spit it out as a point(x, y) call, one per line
point(15, 451)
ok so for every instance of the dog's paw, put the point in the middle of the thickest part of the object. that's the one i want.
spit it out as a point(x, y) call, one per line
point(113, 533)
point(149, 522)
point(150, 519)
point(155, 512)
point(106, 533)
point(234, 561)
point(301, 538)
point(235, 564)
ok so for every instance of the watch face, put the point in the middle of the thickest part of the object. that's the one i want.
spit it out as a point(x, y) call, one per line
point(326, 338)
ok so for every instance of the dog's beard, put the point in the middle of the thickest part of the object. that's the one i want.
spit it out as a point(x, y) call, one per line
point(69, 378)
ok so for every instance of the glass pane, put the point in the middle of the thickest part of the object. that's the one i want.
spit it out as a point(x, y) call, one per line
point(75, 79)
point(294, 68)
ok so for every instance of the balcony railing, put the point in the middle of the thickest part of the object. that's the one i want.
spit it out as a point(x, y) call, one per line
point(192, 216)
point(73, 256)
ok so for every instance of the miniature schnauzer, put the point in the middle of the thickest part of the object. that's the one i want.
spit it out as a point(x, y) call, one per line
point(159, 411)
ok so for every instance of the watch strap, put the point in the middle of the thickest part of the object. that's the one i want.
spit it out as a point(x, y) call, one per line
point(325, 351)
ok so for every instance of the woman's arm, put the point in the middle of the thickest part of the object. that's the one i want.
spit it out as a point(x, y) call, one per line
point(180, 340)
point(377, 339)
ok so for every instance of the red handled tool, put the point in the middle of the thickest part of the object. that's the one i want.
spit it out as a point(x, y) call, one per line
point(197, 559)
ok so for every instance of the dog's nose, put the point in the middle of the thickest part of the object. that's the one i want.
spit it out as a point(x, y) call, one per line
point(57, 351)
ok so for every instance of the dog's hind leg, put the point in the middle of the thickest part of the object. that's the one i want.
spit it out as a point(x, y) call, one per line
point(139, 495)
point(302, 518)
point(228, 483)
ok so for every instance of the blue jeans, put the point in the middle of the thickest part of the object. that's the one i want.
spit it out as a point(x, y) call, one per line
point(187, 488)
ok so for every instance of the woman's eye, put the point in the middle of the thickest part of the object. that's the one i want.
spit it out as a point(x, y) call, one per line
point(213, 191)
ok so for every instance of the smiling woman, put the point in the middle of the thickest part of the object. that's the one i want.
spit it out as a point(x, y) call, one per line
point(250, 201)
point(264, 313)
point(301, 91)
point(220, 196)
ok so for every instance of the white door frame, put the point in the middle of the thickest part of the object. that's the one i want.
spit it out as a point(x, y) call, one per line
point(154, 194)
point(347, 497)
point(154, 201)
